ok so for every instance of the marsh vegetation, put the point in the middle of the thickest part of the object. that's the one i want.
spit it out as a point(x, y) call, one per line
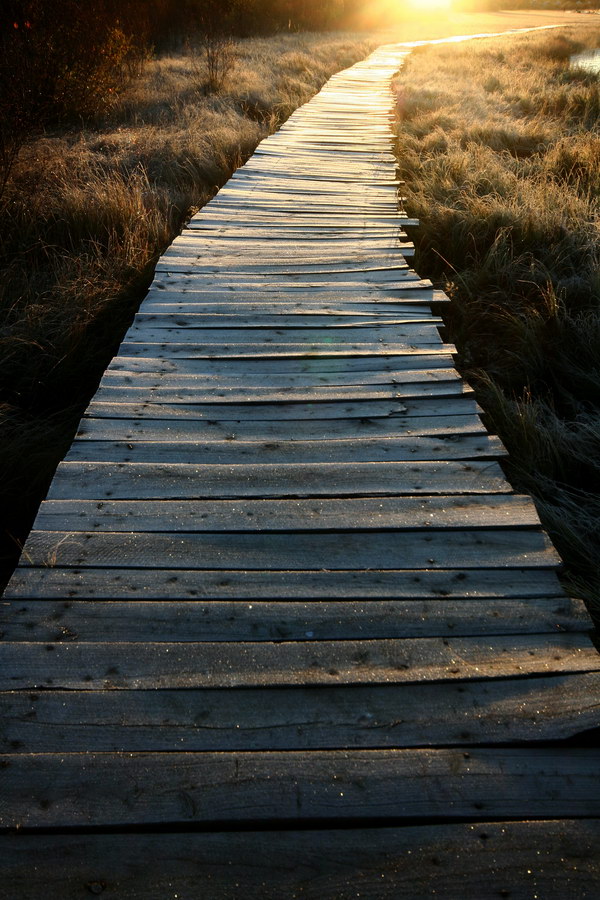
point(499, 143)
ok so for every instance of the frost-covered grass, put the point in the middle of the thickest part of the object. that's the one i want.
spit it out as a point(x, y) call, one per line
point(499, 143)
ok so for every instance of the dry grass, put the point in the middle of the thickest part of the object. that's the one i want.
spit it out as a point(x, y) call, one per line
point(499, 143)
point(85, 215)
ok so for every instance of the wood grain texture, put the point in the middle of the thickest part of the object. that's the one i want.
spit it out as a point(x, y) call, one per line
point(164, 481)
point(184, 430)
point(360, 449)
point(166, 318)
point(398, 513)
point(417, 550)
point(212, 584)
point(196, 393)
point(67, 790)
point(485, 860)
point(314, 366)
point(397, 408)
point(413, 332)
point(406, 304)
point(189, 372)
point(302, 718)
point(325, 347)
point(152, 666)
point(239, 620)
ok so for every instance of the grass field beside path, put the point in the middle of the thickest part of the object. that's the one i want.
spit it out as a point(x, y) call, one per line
point(499, 143)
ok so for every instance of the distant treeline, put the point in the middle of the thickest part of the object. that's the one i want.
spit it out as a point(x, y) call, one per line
point(70, 58)
point(60, 60)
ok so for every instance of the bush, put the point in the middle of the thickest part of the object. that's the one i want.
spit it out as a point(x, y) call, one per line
point(65, 61)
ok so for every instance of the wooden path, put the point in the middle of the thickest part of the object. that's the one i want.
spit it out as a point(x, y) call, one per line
point(282, 628)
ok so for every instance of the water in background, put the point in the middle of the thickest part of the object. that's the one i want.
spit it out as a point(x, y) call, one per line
point(590, 61)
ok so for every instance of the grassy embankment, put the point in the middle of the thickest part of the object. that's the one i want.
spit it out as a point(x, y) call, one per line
point(86, 212)
point(499, 142)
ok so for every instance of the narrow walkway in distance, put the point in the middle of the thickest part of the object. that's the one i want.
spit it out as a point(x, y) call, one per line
point(282, 627)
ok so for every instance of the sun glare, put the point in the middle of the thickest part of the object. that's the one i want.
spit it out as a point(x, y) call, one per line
point(428, 7)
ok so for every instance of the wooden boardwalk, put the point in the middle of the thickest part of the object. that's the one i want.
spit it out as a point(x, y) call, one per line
point(282, 628)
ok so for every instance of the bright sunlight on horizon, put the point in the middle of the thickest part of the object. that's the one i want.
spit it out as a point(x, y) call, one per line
point(429, 7)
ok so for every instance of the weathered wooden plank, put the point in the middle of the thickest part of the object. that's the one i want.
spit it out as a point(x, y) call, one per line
point(245, 185)
point(412, 301)
point(313, 249)
point(291, 139)
point(376, 160)
point(407, 286)
point(209, 259)
point(186, 273)
point(364, 223)
point(413, 332)
point(298, 350)
point(258, 203)
point(160, 318)
point(326, 124)
point(288, 206)
point(233, 720)
point(239, 248)
point(251, 200)
point(147, 429)
point(222, 452)
point(487, 860)
point(327, 207)
point(313, 366)
point(237, 620)
point(313, 122)
point(281, 144)
point(166, 481)
point(317, 393)
point(285, 411)
point(400, 513)
point(211, 584)
point(309, 226)
point(246, 190)
point(291, 291)
point(121, 789)
point(409, 303)
point(161, 665)
point(341, 222)
point(259, 175)
point(166, 303)
point(250, 178)
point(293, 550)
point(313, 153)
point(286, 258)
point(255, 172)
point(376, 177)
point(124, 378)
point(353, 251)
